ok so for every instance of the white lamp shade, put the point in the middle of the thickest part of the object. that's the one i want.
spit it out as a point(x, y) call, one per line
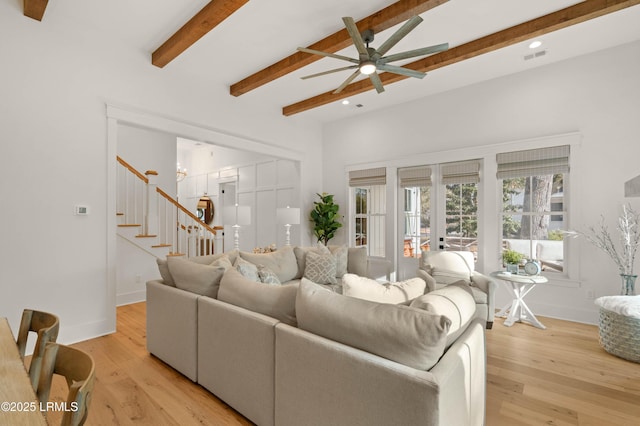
point(237, 215)
point(288, 216)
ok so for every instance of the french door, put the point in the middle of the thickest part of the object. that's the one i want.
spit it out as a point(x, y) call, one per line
point(437, 210)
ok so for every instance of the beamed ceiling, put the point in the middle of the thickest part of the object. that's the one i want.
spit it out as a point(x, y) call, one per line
point(255, 44)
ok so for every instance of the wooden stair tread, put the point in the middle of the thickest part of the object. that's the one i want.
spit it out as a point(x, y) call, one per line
point(175, 254)
point(161, 245)
point(145, 236)
point(119, 214)
point(128, 225)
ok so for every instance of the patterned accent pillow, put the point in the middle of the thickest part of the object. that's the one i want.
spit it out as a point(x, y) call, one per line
point(320, 268)
point(247, 269)
point(267, 276)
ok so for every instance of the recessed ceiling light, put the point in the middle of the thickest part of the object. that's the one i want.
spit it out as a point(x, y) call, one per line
point(535, 44)
point(345, 102)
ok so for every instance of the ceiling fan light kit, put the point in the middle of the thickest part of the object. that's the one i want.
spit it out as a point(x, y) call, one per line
point(372, 60)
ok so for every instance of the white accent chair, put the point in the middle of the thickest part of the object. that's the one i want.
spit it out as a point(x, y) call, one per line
point(441, 268)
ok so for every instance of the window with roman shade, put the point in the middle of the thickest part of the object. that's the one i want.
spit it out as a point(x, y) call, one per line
point(461, 172)
point(533, 162)
point(368, 198)
point(534, 206)
point(368, 177)
point(415, 184)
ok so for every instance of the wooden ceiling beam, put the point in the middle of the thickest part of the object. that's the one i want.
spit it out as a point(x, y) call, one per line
point(379, 21)
point(35, 8)
point(204, 21)
point(572, 15)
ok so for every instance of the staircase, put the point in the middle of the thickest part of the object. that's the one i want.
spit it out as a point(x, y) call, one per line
point(153, 221)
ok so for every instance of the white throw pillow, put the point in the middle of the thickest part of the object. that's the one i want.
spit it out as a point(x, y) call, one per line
point(409, 336)
point(368, 289)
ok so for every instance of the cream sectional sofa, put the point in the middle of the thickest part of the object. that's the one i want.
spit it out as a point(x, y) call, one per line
point(302, 353)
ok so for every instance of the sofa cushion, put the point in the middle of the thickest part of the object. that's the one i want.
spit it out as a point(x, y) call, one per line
point(341, 253)
point(369, 289)
point(282, 262)
point(194, 277)
point(454, 301)
point(409, 336)
point(320, 268)
point(276, 301)
point(357, 261)
point(202, 260)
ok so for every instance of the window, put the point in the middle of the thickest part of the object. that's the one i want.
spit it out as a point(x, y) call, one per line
point(369, 201)
point(534, 208)
point(461, 205)
point(415, 182)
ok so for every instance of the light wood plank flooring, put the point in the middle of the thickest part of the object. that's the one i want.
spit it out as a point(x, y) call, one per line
point(557, 376)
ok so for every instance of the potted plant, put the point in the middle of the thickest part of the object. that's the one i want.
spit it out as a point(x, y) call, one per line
point(511, 260)
point(325, 218)
point(624, 253)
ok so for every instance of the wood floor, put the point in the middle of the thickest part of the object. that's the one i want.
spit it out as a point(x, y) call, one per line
point(557, 376)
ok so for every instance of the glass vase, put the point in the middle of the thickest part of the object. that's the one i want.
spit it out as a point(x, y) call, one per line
point(628, 284)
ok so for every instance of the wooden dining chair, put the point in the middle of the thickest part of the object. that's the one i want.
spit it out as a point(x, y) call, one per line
point(46, 326)
point(78, 368)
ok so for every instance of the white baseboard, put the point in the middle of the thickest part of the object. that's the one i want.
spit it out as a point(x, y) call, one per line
point(129, 298)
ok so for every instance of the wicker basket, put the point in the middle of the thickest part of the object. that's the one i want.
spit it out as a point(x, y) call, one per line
point(620, 335)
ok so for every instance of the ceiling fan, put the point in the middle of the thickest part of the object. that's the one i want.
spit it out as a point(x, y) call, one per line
point(372, 60)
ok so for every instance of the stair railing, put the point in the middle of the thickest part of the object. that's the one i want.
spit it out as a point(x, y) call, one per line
point(142, 203)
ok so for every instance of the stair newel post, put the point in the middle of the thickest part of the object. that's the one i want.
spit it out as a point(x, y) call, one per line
point(151, 210)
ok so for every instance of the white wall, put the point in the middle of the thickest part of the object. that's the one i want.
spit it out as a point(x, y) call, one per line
point(596, 95)
point(261, 182)
point(54, 83)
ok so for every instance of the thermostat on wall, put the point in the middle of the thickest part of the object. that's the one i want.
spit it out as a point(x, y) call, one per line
point(82, 210)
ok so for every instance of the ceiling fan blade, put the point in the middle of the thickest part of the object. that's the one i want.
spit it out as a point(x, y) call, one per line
point(352, 28)
point(413, 53)
point(377, 83)
point(350, 67)
point(329, 55)
point(402, 71)
point(397, 36)
point(346, 82)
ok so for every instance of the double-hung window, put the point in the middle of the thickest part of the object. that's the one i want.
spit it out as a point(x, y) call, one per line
point(534, 207)
point(369, 201)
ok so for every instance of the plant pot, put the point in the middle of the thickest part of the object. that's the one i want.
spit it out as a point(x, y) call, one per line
point(512, 267)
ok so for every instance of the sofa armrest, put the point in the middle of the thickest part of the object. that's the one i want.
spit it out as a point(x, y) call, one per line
point(431, 282)
point(462, 371)
point(488, 285)
point(172, 326)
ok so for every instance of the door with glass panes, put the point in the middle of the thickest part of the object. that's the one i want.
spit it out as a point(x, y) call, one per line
point(438, 210)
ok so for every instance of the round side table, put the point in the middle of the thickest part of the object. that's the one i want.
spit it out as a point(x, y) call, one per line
point(519, 286)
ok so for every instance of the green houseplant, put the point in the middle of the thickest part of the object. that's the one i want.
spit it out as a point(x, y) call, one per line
point(325, 218)
point(512, 259)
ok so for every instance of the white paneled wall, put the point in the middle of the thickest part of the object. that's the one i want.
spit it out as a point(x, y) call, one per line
point(262, 183)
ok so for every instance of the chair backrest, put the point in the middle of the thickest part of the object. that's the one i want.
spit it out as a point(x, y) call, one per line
point(78, 368)
point(461, 261)
point(46, 326)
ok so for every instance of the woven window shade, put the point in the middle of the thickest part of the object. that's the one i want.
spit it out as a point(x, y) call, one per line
point(368, 177)
point(533, 162)
point(461, 172)
point(412, 177)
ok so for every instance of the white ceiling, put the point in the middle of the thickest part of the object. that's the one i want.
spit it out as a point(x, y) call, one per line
point(263, 32)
